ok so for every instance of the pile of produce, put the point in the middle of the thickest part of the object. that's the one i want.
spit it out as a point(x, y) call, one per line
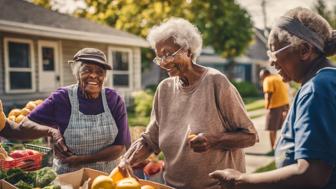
point(17, 115)
point(116, 180)
point(15, 156)
point(42, 178)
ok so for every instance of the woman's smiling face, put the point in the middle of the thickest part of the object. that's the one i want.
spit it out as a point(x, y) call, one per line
point(91, 79)
point(285, 59)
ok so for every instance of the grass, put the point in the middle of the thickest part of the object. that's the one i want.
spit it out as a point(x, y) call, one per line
point(271, 166)
point(253, 103)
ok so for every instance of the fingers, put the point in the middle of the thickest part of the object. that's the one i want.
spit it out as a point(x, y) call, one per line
point(216, 174)
point(199, 143)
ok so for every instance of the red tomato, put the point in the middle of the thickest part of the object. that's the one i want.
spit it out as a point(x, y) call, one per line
point(32, 152)
point(18, 154)
point(153, 167)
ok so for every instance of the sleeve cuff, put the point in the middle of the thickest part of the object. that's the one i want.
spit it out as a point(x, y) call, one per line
point(315, 155)
point(150, 143)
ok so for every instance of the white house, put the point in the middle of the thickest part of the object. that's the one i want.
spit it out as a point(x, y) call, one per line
point(36, 43)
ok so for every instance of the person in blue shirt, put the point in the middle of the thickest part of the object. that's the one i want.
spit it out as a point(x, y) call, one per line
point(306, 152)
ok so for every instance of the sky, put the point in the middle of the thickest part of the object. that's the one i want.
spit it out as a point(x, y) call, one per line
point(275, 8)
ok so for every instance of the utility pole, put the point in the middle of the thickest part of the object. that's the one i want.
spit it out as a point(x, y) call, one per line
point(263, 7)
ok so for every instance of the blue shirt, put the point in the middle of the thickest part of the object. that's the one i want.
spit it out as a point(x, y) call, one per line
point(309, 131)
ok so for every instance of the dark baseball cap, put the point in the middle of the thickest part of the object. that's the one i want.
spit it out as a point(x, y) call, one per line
point(92, 55)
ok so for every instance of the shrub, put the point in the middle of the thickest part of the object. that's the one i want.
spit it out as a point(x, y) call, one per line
point(143, 103)
point(246, 89)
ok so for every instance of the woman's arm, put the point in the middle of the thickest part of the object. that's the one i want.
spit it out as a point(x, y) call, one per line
point(233, 140)
point(302, 175)
point(109, 153)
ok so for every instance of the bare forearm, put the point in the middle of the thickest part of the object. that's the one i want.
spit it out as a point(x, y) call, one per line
point(268, 97)
point(107, 154)
point(234, 140)
point(296, 176)
point(138, 152)
point(27, 130)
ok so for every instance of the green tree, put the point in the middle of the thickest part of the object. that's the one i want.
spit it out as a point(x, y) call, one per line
point(224, 25)
point(329, 14)
point(43, 3)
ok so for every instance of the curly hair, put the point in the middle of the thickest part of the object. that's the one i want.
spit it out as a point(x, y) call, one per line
point(183, 32)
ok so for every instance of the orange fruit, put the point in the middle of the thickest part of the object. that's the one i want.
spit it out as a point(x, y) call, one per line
point(19, 118)
point(30, 105)
point(191, 136)
point(38, 102)
point(25, 111)
point(14, 112)
point(103, 182)
point(116, 175)
point(12, 118)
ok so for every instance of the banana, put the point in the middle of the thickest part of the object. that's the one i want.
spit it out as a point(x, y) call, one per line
point(2, 117)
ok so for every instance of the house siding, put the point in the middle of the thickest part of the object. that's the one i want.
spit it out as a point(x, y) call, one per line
point(67, 48)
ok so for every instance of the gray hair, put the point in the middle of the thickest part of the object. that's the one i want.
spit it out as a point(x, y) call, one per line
point(76, 65)
point(183, 32)
point(314, 22)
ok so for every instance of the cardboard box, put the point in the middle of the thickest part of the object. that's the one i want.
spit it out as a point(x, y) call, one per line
point(6, 185)
point(79, 179)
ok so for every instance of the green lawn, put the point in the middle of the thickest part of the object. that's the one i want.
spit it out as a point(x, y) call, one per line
point(253, 103)
point(268, 167)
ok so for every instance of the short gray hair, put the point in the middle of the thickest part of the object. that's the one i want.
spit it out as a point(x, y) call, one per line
point(183, 32)
point(311, 20)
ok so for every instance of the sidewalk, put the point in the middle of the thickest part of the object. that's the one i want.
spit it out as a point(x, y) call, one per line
point(255, 155)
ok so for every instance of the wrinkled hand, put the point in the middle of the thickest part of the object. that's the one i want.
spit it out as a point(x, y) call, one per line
point(201, 143)
point(61, 150)
point(73, 161)
point(228, 178)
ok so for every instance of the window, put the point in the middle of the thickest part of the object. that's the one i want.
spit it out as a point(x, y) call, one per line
point(121, 59)
point(19, 65)
point(48, 59)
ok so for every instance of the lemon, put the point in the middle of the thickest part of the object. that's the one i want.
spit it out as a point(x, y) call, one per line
point(103, 182)
point(128, 183)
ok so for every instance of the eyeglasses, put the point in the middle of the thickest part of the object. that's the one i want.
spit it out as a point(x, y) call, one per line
point(272, 54)
point(158, 60)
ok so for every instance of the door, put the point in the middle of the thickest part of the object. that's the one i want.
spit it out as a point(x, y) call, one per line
point(48, 55)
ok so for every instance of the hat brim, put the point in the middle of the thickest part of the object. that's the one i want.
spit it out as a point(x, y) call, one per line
point(94, 61)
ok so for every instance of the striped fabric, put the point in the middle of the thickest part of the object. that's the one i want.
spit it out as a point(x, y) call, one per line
point(88, 134)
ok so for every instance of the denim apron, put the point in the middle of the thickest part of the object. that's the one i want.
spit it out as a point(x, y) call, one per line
point(88, 134)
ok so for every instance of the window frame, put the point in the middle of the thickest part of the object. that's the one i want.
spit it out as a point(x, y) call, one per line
point(116, 72)
point(9, 69)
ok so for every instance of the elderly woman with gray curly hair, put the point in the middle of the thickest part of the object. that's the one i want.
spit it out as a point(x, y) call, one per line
point(198, 118)
point(305, 154)
point(92, 119)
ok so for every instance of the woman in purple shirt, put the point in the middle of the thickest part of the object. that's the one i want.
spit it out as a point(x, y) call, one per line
point(91, 118)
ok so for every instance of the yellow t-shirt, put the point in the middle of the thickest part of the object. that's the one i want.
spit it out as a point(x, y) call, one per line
point(274, 84)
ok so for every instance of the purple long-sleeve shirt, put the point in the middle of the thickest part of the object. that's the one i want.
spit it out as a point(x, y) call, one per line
point(56, 110)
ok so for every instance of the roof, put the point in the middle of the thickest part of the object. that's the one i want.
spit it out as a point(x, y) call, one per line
point(24, 17)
